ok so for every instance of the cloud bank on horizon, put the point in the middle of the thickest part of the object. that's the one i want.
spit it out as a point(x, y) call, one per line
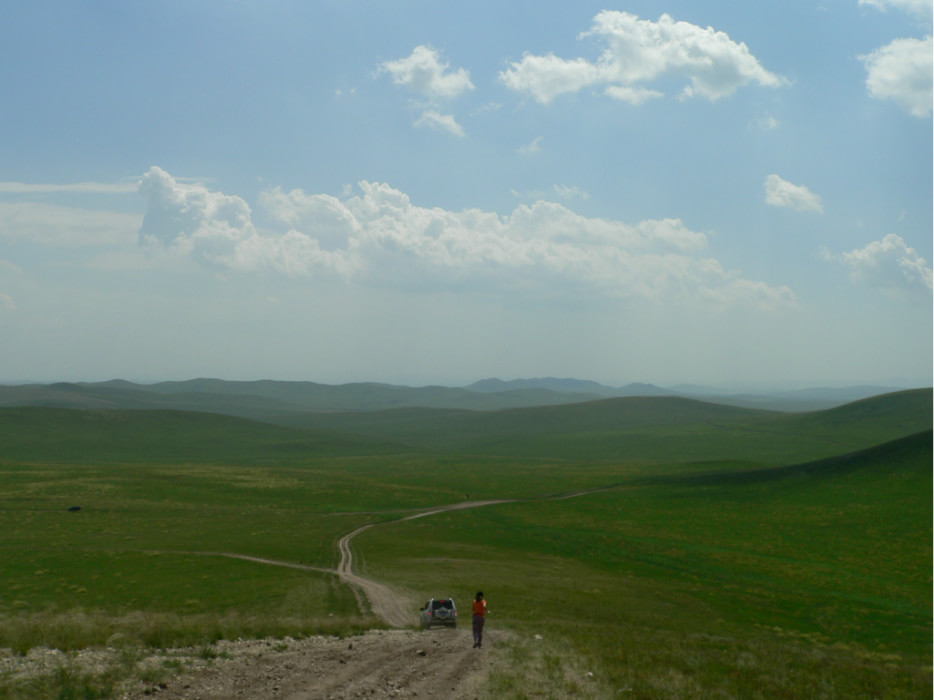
point(380, 237)
point(596, 193)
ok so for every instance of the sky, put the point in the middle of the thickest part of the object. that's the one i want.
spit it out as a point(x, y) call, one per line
point(427, 192)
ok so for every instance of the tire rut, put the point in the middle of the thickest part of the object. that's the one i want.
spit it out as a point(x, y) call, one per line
point(400, 662)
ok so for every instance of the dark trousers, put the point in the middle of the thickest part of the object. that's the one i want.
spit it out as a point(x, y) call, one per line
point(478, 621)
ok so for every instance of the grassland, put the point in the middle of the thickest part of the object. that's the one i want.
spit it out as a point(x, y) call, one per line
point(693, 586)
point(724, 553)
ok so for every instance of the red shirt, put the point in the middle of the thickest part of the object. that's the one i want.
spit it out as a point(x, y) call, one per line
point(479, 608)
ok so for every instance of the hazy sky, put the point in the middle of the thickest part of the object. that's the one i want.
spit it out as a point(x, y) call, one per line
point(418, 191)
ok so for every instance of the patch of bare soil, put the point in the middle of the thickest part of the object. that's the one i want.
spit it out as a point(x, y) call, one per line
point(437, 663)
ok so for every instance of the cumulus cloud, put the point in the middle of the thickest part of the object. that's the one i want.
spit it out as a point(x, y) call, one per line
point(889, 265)
point(917, 7)
point(440, 122)
point(641, 51)
point(217, 229)
point(546, 77)
point(902, 72)
point(332, 223)
point(424, 73)
point(181, 212)
point(61, 226)
point(781, 193)
point(378, 237)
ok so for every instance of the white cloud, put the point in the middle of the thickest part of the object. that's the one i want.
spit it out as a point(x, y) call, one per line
point(639, 52)
point(217, 229)
point(738, 292)
point(766, 123)
point(182, 212)
point(332, 223)
point(534, 147)
point(56, 225)
point(380, 238)
point(546, 77)
point(781, 193)
point(902, 72)
point(73, 188)
point(917, 7)
point(529, 194)
point(632, 95)
point(424, 73)
point(570, 192)
point(441, 122)
point(7, 303)
point(890, 266)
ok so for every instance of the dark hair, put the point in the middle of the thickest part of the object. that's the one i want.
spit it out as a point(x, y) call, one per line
point(479, 595)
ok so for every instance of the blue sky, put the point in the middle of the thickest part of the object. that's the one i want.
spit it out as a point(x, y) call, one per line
point(426, 192)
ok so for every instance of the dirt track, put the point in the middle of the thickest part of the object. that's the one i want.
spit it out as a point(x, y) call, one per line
point(385, 604)
point(390, 607)
point(396, 663)
point(438, 663)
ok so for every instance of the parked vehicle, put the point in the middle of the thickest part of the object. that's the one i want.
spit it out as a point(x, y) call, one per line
point(439, 611)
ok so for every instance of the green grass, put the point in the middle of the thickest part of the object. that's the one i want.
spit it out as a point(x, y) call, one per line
point(816, 575)
point(164, 437)
point(728, 553)
point(644, 430)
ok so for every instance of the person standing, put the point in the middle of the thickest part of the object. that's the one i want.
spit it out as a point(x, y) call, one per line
point(479, 618)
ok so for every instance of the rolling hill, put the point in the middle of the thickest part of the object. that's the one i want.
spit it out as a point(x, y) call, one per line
point(270, 400)
point(34, 434)
point(260, 399)
point(766, 550)
point(657, 429)
point(644, 428)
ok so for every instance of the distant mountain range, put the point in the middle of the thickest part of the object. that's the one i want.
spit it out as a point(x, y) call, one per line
point(568, 386)
point(803, 399)
point(271, 400)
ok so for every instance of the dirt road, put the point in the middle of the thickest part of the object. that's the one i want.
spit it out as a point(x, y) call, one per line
point(437, 663)
point(391, 608)
point(394, 609)
point(395, 663)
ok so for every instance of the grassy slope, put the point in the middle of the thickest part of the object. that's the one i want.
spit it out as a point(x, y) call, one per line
point(118, 395)
point(277, 401)
point(656, 429)
point(371, 396)
point(269, 400)
point(88, 436)
point(667, 585)
point(723, 584)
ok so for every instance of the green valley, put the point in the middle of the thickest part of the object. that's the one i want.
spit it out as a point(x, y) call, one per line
point(675, 547)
